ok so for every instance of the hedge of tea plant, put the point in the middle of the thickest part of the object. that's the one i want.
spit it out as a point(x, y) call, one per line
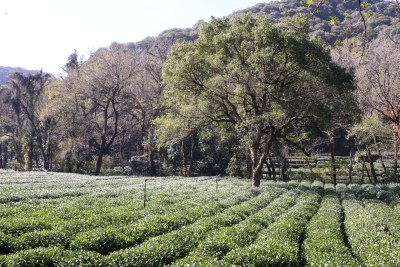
point(386, 216)
point(371, 243)
point(225, 239)
point(49, 219)
point(169, 247)
point(324, 243)
point(58, 222)
point(278, 245)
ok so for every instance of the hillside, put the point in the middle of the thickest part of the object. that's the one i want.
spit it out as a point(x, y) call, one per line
point(381, 17)
point(6, 71)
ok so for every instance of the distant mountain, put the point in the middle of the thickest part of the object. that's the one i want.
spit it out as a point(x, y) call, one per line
point(6, 71)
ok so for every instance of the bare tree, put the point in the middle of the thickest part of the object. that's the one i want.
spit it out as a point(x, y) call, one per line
point(378, 80)
point(151, 91)
point(26, 100)
point(107, 79)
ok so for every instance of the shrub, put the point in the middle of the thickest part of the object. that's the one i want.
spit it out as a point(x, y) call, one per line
point(82, 259)
point(369, 191)
point(329, 188)
point(318, 186)
point(102, 240)
point(39, 257)
point(53, 256)
point(5, 243)
point(44, 238)
point(21, 225)
point(386, 196)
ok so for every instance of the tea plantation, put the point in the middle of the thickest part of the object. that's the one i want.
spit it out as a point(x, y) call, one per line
point(51, 219)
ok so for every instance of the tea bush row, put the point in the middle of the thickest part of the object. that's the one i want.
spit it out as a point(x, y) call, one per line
point(324, 244)
point(167, 248)
point(369, 241)
point(278, 245)
point(114, 229)
point(386, 216)
point(221, 241)
point(52, 256)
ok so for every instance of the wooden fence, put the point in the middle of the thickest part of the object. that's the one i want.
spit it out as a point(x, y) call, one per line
point(350, 169)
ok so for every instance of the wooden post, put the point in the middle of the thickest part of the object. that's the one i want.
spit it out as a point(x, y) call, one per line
point(351, 168)
point(145, 193)
point(216, 185)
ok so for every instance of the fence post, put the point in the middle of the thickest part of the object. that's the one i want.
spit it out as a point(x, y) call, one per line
point(145, 193)
point(351, 168)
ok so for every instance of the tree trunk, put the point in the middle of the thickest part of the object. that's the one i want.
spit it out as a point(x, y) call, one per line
point(189, 170)
point(78, 166)
point(381, 159)
point(68, 162)
point(269, 170)
point(45, 150)
point(28, 158)
point(257, 161)
point(51, 160)
point(309, 164)
point(5, 157)
point(351, 168)
point(366, 170)
point(46, 163)
point(121, 152)
point(121, 149)
point(100, 155)
point(272, 168)
point(395, 136)
point(283, 155)
point(256, 176)
point(363, 172)
point(1, 157)
point(396, 156)
point(383, 164)
point(331, 148)
point(371, 165)
point(48, 151)
point(99, 162)
point(37, 159)
point(150, 155)
point(183, 160)
point(19, 152)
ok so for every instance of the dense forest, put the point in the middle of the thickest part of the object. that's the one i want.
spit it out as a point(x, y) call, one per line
point(238, 96)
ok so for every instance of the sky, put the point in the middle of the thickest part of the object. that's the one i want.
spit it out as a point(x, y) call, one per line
point(40, 34)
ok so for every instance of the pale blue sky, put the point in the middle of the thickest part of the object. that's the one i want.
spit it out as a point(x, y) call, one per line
point(40, 34)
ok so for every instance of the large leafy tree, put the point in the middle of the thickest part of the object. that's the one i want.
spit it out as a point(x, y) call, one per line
point(264, 80)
